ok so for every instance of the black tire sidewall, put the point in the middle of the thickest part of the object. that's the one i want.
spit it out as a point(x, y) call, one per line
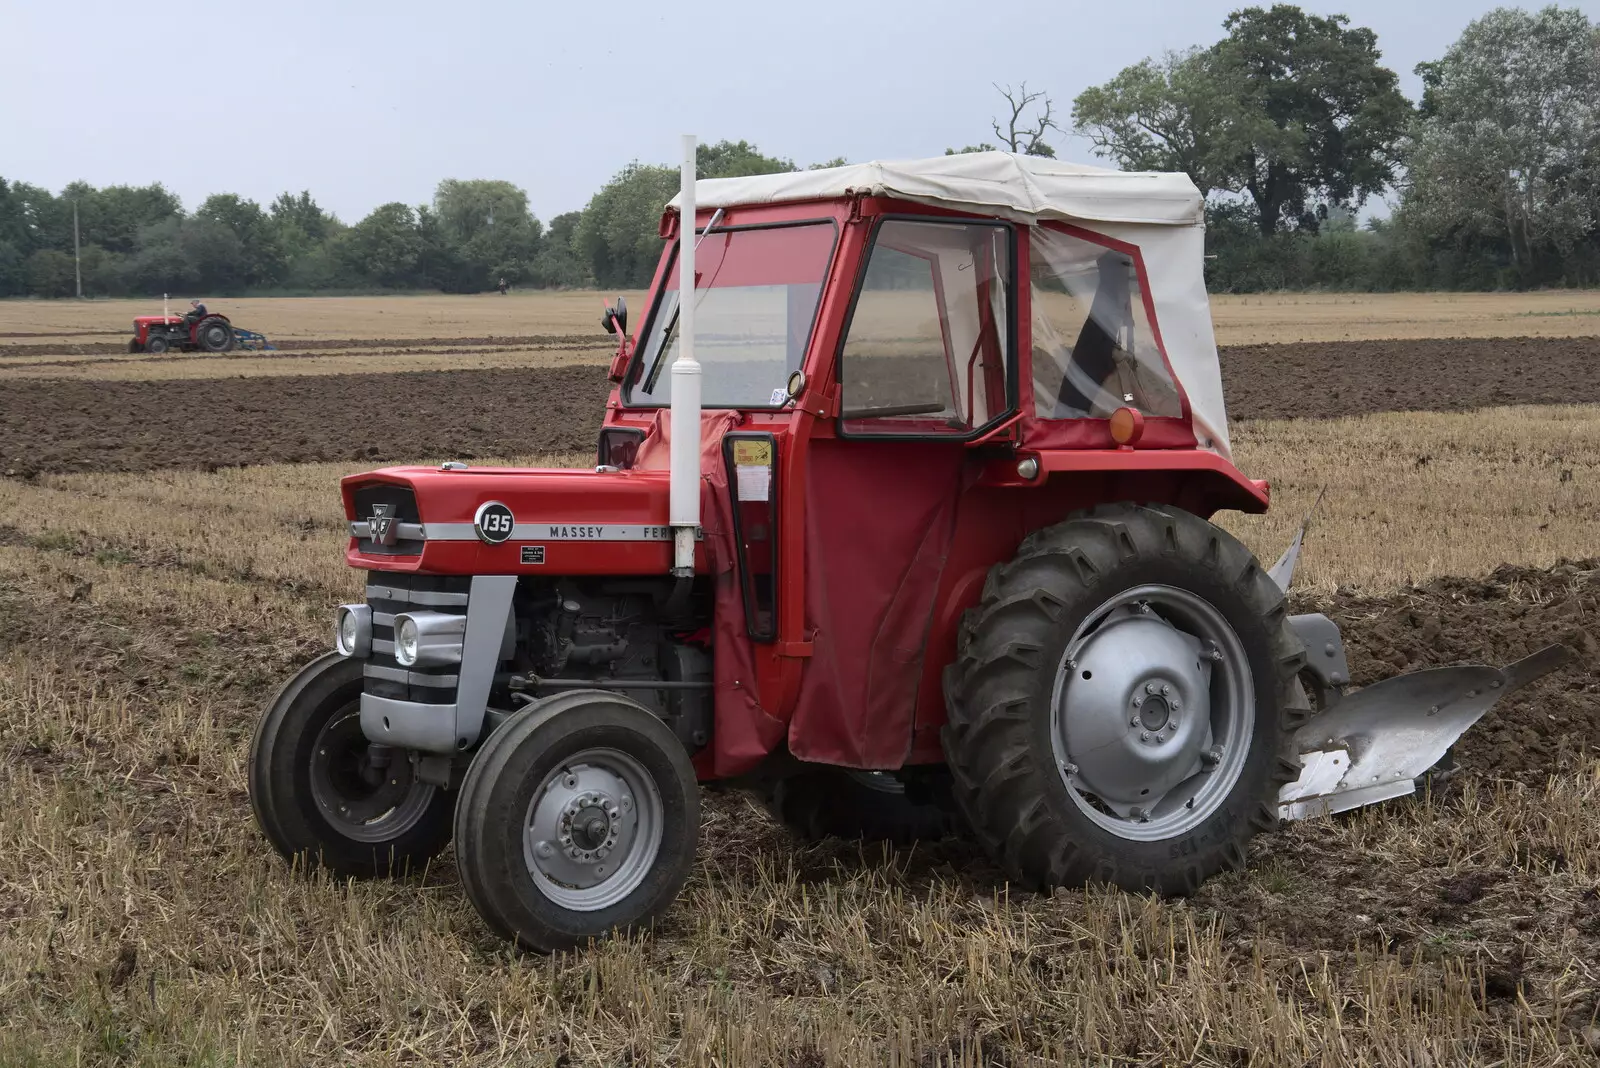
point(280, 774)
point(500, 796)
point(1232, 820)
point(156, 345)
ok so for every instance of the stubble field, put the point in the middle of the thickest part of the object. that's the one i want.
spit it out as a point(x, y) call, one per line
point(170, 550)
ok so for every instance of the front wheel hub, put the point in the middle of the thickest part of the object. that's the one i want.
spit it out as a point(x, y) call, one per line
point(593, 830)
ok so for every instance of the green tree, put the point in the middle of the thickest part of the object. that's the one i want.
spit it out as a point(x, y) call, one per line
point(51, 274)
point(736, 159)
point(1295, 111)
point(560, 263)
point(259, 260)
point(385, 247)
point(1507, 149)
point(113, 217)
point(490, 228)
point(1166, 114)
point(619, 235)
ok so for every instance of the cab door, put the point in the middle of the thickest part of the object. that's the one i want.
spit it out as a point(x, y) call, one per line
point(927, 365)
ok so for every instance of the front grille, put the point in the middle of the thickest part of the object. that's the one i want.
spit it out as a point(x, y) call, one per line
point(389, 593)
point(404, 502)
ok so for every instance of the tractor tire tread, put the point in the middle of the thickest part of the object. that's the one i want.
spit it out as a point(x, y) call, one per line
point(998, 775)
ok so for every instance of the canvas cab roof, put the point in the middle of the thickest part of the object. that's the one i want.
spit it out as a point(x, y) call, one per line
point(1022, 188)
point(1156, 220)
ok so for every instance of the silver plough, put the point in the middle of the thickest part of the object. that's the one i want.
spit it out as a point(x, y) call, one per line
point(1377, 742)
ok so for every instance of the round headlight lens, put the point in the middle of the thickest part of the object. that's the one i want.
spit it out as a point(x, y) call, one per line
point(405, 641)
point(349, 632)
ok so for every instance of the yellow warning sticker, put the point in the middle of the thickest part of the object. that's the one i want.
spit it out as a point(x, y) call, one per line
point(748, 453)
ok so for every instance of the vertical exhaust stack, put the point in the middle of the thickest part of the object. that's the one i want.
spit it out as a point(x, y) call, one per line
point(684, 456)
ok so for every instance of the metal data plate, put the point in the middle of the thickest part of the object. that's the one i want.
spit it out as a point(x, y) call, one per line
point(1376, 742)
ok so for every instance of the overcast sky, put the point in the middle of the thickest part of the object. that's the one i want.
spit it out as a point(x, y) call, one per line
point(368, 102)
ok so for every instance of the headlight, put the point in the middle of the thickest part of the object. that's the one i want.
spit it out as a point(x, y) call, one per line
point(428, 638)
point(352, 630)
point(405, 640)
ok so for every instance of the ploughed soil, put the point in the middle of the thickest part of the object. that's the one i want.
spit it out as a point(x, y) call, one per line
point(1318, 380)
point(83, 425)
point(1504, 616)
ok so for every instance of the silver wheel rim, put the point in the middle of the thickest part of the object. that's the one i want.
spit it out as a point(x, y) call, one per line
point(358, 808)
point(1152, 713)
point(593, 830)
point(216, 336)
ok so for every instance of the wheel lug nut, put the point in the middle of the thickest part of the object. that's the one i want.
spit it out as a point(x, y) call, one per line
point(1166, 691)
point(1144, 736)
point(1149, 687)
point(1134, 722)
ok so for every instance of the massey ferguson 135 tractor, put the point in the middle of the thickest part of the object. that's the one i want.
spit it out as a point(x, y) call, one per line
point(902, 519)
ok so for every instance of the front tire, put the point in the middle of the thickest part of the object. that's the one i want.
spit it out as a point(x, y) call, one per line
point(156, 344)
point(579, 816)
point(1122, 701)
point(324, 796)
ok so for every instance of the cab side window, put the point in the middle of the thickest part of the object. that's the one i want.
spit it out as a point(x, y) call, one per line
point(1094, 348)
point(927, 348)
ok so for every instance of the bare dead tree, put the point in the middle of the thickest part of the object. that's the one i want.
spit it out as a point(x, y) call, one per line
point(1020, 134)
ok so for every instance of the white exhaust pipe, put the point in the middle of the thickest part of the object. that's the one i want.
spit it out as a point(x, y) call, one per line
point(684, 501)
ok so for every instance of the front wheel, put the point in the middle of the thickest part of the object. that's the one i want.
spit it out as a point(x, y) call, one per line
point(156, 344)
point(326, 797)
point(578, 816)
point(1121, 704)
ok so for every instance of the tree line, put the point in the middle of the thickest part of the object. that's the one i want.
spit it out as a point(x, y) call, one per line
point(1289, 124)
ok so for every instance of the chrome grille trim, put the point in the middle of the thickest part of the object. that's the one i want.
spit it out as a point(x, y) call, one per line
point(427, 597)
point(403, 531)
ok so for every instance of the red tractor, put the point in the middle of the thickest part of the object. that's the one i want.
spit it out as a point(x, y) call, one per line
point(196, 331)
point(902, 521)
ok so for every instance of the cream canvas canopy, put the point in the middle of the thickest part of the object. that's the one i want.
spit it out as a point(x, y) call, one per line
point(1162, 214)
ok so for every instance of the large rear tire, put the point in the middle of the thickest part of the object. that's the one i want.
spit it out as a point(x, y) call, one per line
point(319, 795)
point(579, 816)
point(214, 335)
point(1121, 703)
point(829, 802)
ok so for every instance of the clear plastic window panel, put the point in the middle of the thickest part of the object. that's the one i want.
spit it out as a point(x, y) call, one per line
point(926, 349)
point(1094, 350)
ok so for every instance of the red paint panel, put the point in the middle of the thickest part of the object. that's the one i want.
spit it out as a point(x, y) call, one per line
point(878, 523)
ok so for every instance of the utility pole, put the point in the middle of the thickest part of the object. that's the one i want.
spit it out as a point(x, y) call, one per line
point(77, 259)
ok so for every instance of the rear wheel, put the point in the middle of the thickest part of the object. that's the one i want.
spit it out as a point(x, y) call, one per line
point(327, 797)
point(873, 806)
point(214, 335)
point(156, 343)
point(1121, 703)
point(578, 816)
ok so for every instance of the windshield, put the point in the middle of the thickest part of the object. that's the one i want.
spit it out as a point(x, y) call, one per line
point(756, 296)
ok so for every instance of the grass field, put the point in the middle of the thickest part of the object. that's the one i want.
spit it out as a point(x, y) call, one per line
point(145, 922)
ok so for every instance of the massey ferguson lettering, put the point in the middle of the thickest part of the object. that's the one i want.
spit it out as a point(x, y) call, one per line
point(577, 533)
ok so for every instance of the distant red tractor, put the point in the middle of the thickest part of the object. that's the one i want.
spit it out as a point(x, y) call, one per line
point(198, 331)
point(902, 520)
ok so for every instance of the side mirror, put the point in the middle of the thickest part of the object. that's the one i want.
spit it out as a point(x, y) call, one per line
point(609, 320)
point(797, 383)
point(621, 313)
